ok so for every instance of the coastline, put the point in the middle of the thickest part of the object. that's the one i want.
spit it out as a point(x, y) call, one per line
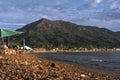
point(29, 66)
point(66, 51)
point(82, 66)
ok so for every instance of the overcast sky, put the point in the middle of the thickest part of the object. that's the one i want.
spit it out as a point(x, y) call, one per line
point(103, 13)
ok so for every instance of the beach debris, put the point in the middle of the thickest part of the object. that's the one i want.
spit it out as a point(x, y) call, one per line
point(52, 64)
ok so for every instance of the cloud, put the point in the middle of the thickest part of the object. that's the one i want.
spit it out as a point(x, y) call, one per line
point(11, 26)
point(44, 16)
point(115, 5)
point(95, 3)
point(98, 1)
point(106, 16)
point(105, 24)
point(92, 12)
point(3, 23)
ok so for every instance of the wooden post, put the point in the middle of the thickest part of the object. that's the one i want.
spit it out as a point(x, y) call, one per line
point(7, 41)
point(3, 40)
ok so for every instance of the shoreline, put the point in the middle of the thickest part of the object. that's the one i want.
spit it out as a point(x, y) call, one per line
point(66, 51)
point(29, 66)
point(75, 65)
point(80, 66)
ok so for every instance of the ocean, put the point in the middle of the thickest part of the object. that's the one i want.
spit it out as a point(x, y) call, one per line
point(109, 61)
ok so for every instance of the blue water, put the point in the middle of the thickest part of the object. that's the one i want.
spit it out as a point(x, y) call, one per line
point(100, 60)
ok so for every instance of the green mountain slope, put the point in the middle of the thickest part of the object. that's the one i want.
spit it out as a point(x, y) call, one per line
point(56, 33)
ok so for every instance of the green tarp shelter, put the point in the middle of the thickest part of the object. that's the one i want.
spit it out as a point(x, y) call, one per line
point(7, 33)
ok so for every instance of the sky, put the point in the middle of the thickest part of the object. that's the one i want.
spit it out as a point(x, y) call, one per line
point(15, 14)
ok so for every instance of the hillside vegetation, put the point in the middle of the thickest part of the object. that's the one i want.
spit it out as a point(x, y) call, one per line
point(58, 33)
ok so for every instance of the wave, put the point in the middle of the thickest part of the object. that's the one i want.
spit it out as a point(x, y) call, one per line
point(97, 60)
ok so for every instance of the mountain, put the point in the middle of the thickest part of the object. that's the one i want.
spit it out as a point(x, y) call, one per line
point(58, 32)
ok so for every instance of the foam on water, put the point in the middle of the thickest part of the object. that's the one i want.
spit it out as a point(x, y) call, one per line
point(97, 60)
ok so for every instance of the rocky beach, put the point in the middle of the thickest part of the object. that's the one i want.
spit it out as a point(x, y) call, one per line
point(30, 67)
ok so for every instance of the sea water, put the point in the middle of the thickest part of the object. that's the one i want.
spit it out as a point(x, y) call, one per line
point(99, 60)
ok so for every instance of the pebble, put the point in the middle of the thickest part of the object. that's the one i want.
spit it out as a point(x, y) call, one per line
point(1, 57)
point(83, 75)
